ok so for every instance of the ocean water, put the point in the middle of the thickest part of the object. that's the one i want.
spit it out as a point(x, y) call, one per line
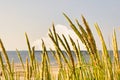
point(24, 54)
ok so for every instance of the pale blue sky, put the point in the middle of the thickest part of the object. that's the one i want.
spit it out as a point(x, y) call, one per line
point(36, 16)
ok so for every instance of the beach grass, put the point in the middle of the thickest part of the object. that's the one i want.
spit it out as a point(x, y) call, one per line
point(97, 68)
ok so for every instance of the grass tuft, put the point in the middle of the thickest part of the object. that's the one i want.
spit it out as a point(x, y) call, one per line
point(71, 63)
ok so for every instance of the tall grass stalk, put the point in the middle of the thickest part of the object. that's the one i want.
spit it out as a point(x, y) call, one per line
point(20, 58)
point(3, 68)
point(116, 57)
point(105, 55)
point(6, 60)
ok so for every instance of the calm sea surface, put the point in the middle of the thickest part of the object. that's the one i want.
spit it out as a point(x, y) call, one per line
point(24, 54)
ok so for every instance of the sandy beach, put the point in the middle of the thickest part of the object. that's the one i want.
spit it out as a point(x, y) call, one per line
point(19, 71)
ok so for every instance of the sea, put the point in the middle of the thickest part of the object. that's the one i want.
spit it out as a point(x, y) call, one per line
point(12, 55)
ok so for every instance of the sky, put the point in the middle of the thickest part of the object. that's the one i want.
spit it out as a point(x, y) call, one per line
point(36, 16)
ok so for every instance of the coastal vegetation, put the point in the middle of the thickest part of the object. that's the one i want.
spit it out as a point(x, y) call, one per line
point(99, 67)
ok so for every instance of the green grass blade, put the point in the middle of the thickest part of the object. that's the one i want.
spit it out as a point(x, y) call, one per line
point(106, 58)
point(74, 28)
point(91, 40)
point(3, 67)
point(116, 57)
point(69, 52)
point(46, 63)
point(27, 70)
point(20, 58)
point(6, 59)
point(29, 49)
point(57, 48)
point(76, 51)
point(115, 48)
